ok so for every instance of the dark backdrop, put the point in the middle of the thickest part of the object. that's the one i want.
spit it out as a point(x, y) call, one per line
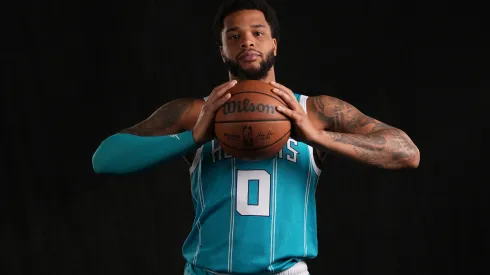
point(76, 72)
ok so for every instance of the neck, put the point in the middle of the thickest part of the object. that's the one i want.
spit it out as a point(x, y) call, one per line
point(271, 76)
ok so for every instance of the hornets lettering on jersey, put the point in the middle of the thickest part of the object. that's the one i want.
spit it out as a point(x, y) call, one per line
point(253, 217)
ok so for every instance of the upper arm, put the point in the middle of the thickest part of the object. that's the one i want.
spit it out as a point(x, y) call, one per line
point(172, 118)
point(332, 114)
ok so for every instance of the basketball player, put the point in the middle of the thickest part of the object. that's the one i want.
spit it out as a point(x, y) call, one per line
point(253, 217)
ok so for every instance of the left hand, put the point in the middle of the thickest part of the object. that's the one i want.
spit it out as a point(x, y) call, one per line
point(303, 130)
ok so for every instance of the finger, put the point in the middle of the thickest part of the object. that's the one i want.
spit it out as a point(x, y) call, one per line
point(287, 112)
point(219, 102)
point(282, 88)
point(212, 95)
point(290, 101)
point(220, 90)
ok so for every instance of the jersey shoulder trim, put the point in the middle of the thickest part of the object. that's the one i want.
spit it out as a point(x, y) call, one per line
point(197, 158)
point(297, 96)
point(302, 100)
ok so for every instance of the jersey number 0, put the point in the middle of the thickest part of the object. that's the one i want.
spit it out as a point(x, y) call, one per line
point(253, 185)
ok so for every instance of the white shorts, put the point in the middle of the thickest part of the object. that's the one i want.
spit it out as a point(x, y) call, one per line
point(300, 268)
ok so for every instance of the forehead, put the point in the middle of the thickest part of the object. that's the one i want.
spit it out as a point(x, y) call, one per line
point(244, 19)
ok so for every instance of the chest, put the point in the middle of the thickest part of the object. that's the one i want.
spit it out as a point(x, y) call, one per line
point(293, 155)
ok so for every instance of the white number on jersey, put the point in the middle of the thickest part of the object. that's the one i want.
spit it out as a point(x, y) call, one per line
point(262, 208)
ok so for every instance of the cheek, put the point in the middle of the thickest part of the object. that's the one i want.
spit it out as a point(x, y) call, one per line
point(230, 51)
point(267, 46)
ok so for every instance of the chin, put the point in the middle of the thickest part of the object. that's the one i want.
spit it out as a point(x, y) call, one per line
point(250, 65)
point(251, 70)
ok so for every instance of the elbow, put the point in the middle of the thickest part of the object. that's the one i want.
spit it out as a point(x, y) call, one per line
point(112, 157)
point(98, 162)
point(104, 157)
point(98, 169)
point(414, 160)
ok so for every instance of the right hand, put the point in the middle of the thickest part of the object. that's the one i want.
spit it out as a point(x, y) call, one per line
point(203, 129)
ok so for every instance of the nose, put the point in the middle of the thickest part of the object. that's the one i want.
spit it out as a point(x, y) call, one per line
point(247, 42)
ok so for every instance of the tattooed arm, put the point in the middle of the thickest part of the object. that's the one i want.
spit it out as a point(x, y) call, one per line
point(349, 132)
point(166, 134)
point(172, 118)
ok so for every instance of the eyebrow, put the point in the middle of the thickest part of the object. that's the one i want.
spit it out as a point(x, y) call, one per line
point(253, 26)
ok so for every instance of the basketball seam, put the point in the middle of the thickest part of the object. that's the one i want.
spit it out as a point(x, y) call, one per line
point(252, 92)
point(251, 150)
point(253, 120)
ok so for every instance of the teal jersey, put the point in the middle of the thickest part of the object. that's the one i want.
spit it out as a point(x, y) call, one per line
point(253, 216)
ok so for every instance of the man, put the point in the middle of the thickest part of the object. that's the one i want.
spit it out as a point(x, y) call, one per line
point(253, 217)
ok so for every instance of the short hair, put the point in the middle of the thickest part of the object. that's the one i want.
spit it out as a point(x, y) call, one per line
point(231, 6)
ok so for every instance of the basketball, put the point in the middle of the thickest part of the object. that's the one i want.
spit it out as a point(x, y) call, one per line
point(248, 126)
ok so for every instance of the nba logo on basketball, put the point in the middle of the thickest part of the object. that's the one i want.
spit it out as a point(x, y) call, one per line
point(247, 126)
point(248, 139)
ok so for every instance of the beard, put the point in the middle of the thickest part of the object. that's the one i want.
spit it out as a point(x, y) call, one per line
point(254, 73)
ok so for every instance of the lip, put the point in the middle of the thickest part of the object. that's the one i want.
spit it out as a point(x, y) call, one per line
point(249, 55)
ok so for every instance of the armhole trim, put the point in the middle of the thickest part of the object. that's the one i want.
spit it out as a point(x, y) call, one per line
point(197, 159)
point(318, 171)
point(197, 156)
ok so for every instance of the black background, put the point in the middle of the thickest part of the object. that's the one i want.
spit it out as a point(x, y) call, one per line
point(76, 72)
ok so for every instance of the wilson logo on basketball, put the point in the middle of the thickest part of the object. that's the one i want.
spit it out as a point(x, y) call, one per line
point(231, 107)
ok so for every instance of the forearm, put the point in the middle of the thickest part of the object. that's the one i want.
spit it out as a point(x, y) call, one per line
point(387, 148)
point(125, 153)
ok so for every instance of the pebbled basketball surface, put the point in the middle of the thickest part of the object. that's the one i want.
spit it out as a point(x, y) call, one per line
point(251, 100)
point(248, 124)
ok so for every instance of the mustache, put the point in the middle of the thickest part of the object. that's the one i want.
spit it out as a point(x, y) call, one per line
point(256, 73)
point(239, 55)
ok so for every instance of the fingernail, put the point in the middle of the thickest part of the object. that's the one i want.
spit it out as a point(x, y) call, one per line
point(273, 82)
point(275, 90)
point(280, 108)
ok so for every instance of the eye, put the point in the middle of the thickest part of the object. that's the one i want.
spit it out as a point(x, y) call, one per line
point(235, 36)
point(259, 33)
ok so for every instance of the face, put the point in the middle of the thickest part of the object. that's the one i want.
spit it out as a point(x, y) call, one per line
point(248, 49)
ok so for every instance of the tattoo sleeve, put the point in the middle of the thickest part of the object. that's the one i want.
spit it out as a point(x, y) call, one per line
point(164, 121)
point(340, 116)
point(351, 133)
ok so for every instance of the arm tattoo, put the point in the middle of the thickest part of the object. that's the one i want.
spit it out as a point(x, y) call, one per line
point(371, 141)
point(163, 120)
point(401, 146)
point(340, 116)
point(384, 148)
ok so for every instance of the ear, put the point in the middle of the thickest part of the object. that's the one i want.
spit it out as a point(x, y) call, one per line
point(222, 53)
point(275, 46)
